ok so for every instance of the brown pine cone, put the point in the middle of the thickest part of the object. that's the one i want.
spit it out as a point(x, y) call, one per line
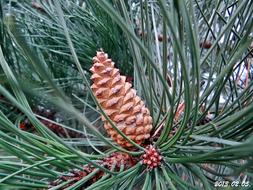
point(119, 102)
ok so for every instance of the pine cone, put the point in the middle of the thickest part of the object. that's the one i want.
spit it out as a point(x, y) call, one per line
point(119, 102)
point(117, 159)
point(113, 161)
